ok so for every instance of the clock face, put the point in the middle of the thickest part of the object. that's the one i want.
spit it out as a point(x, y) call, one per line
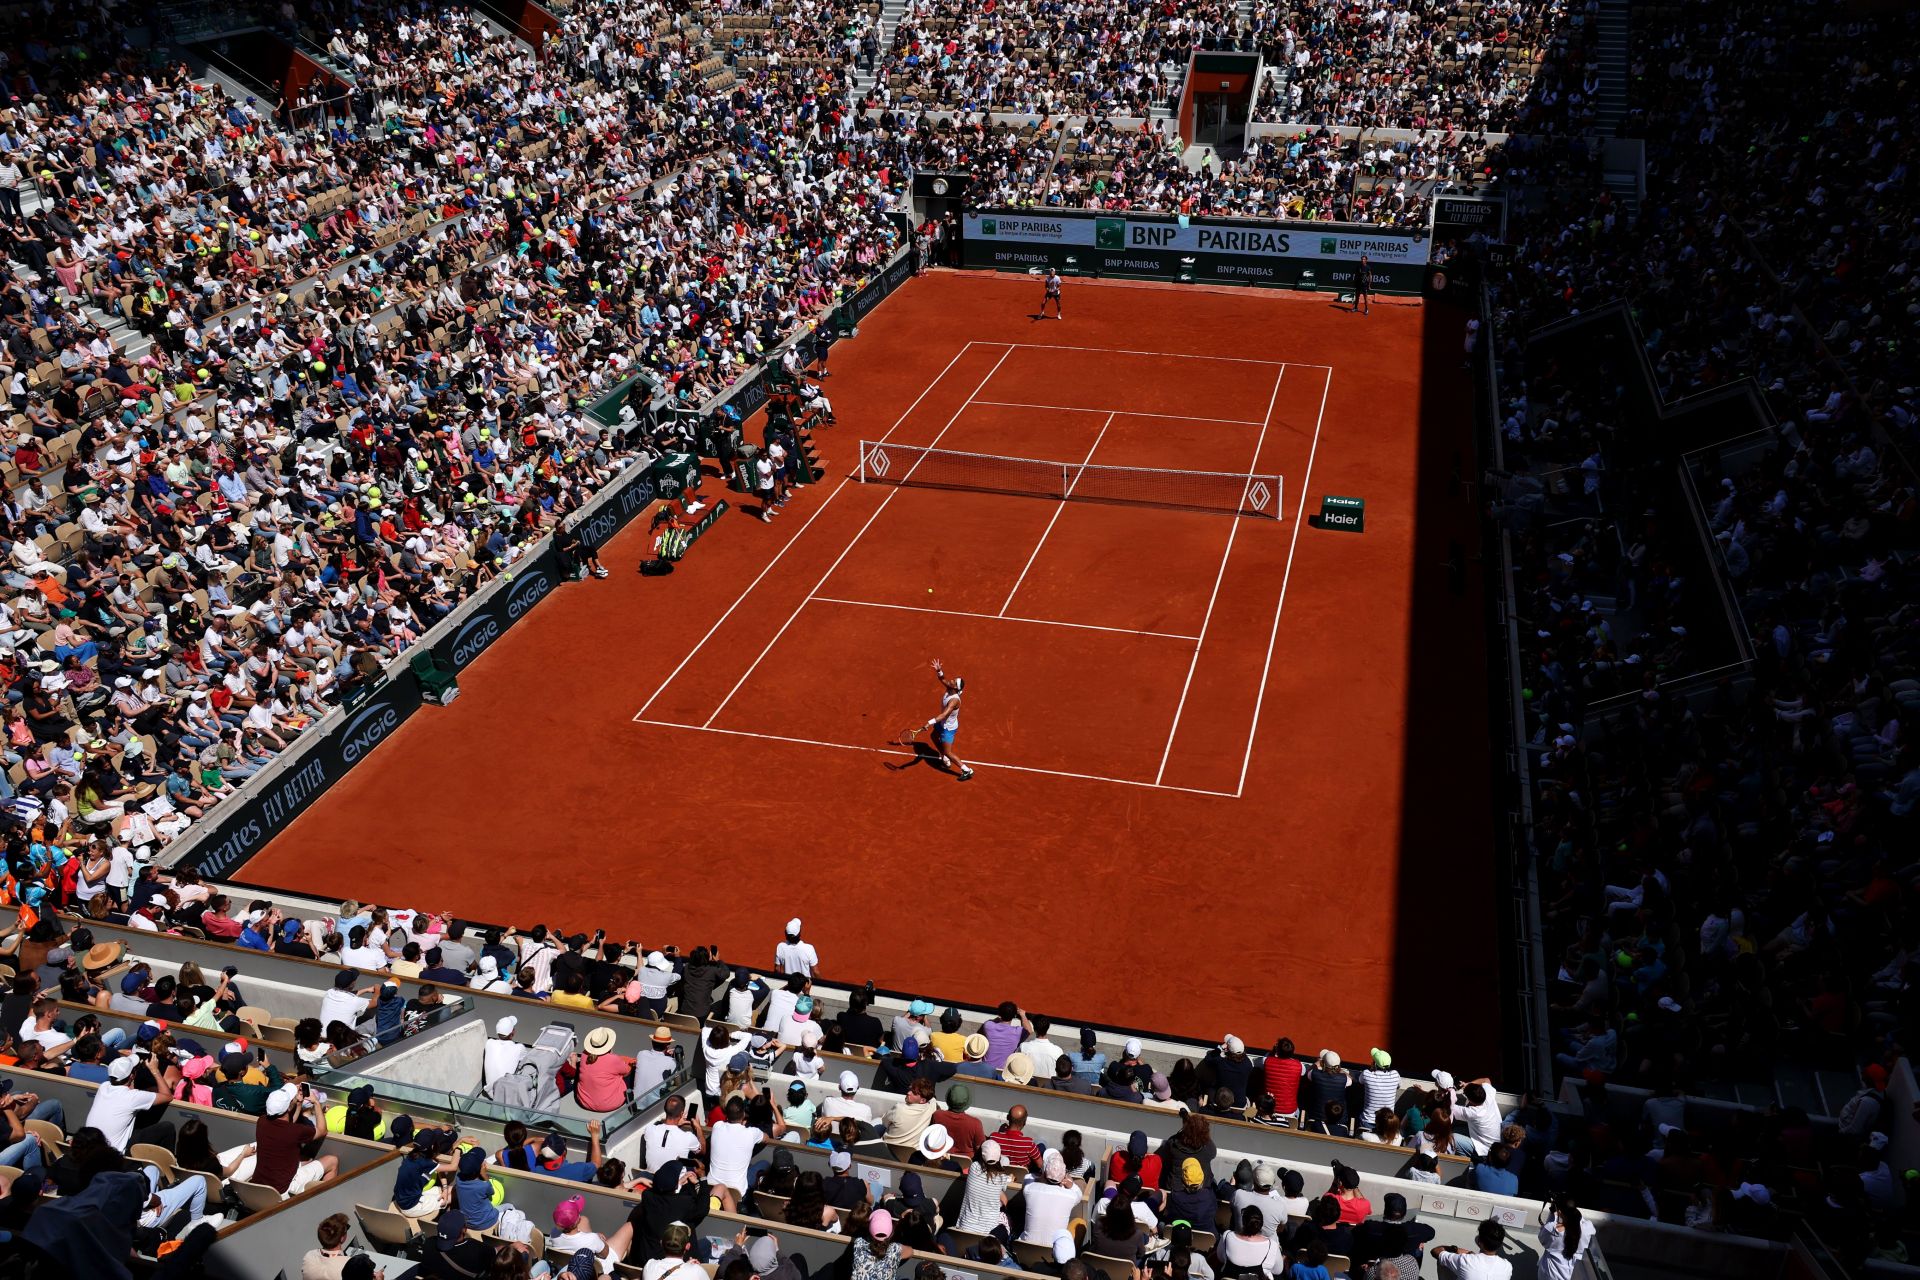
point(939, 186)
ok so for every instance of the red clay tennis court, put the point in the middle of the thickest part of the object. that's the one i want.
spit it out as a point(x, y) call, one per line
point(1194, 718)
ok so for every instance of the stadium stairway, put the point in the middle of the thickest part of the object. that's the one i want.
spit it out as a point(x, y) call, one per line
point(1615, 60)
point(891, 11)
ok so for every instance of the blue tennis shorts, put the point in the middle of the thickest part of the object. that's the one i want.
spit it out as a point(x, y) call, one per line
point(944, 737)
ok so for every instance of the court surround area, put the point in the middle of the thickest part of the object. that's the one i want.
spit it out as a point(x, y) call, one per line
point(1194, 729)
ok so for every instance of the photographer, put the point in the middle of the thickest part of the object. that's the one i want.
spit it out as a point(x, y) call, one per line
point(1565, 1238)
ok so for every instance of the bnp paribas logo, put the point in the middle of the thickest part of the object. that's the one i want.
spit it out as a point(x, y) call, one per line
point(1109, 233)
point(989, 227)
point(1329, 245)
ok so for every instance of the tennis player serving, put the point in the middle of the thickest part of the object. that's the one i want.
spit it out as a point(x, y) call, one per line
point(945, 725)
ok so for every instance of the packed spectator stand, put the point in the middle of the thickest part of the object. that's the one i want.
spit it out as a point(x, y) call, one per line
point(286, 390)
point(572, 1066)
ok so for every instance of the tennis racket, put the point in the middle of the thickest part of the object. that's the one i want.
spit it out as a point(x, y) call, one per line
point(906, 737)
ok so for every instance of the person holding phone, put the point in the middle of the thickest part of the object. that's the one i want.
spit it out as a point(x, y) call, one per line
point(1565, 1238)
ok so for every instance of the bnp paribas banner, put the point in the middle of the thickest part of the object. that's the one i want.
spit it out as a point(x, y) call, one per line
point(1216, 250)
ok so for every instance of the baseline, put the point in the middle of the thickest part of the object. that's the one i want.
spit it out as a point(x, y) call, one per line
point(914, 755)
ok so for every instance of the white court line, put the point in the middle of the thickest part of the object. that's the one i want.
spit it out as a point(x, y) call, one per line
point(1172, 355)
point(1056, 515)
point(768, 567)
point(1131, 413)
point(856, 537)
point(1002, 617)
point(1305, 481)
point(984, 764)
point(1194, 662)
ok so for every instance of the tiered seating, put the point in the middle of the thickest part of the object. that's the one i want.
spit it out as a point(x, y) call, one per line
point(395, 1073)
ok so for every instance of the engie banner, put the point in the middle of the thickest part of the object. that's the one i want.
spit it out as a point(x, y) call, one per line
point(298, 778)
point(1297, 255)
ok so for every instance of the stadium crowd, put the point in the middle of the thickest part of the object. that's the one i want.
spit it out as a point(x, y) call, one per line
point(1510, 65)
point(1728, 867)
point(372, 339)
point(1115, 57)
point(369, 339)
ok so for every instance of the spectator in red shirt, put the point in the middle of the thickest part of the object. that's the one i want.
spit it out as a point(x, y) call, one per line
point(1136, 1161)
point(1354, 1206)
point(967, 1133)
point(1282, 1073)
point(1016, 1148)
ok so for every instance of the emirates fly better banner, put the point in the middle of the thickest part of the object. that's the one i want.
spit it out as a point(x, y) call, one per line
point(1289, 254)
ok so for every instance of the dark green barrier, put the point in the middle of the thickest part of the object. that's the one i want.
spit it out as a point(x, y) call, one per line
point(1285, 255)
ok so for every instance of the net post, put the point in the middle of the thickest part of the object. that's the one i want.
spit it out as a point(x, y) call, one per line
point(1066, 481)
point(1279, 497)
point(863, 462)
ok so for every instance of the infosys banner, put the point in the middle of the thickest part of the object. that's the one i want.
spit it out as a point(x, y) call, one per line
point(297, 779)
point(1295, 255)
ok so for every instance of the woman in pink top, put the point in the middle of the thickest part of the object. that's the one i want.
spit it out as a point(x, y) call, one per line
point(603, 1074)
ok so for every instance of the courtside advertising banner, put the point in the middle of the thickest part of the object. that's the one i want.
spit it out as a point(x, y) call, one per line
point(1215, 250)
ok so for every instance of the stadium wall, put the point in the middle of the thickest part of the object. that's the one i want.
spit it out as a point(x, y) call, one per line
point(1286, 255)
point(219, 847)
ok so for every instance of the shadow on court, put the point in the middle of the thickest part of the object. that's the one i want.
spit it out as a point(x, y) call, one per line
point(923, 753)
point(1449, 794)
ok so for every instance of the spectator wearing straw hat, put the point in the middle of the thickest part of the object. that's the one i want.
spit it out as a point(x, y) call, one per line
point(936, 1150)
point(654, 1064)
point(600, 1075)
point(974, 1050)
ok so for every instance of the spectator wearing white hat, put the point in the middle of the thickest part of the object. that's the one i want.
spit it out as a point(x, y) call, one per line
point(793, 955)
point(487, 977)
point(1227, 1067)
point(1323, 1094)
point(847, 1102)
point(983, 1202)
point(293, 1121)
point(501, 1054)
point(657, 978)
point(1265, 1196)
point(132, 1091)
point(1051, 1200)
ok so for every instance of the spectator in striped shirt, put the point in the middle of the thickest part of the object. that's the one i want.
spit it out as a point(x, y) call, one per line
point(1382, 1084)
point(1016, 1148)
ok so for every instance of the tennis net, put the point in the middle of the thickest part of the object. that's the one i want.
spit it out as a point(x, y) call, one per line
point(1235, 493)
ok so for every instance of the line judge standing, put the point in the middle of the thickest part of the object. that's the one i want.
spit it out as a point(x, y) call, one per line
point(793, 955)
